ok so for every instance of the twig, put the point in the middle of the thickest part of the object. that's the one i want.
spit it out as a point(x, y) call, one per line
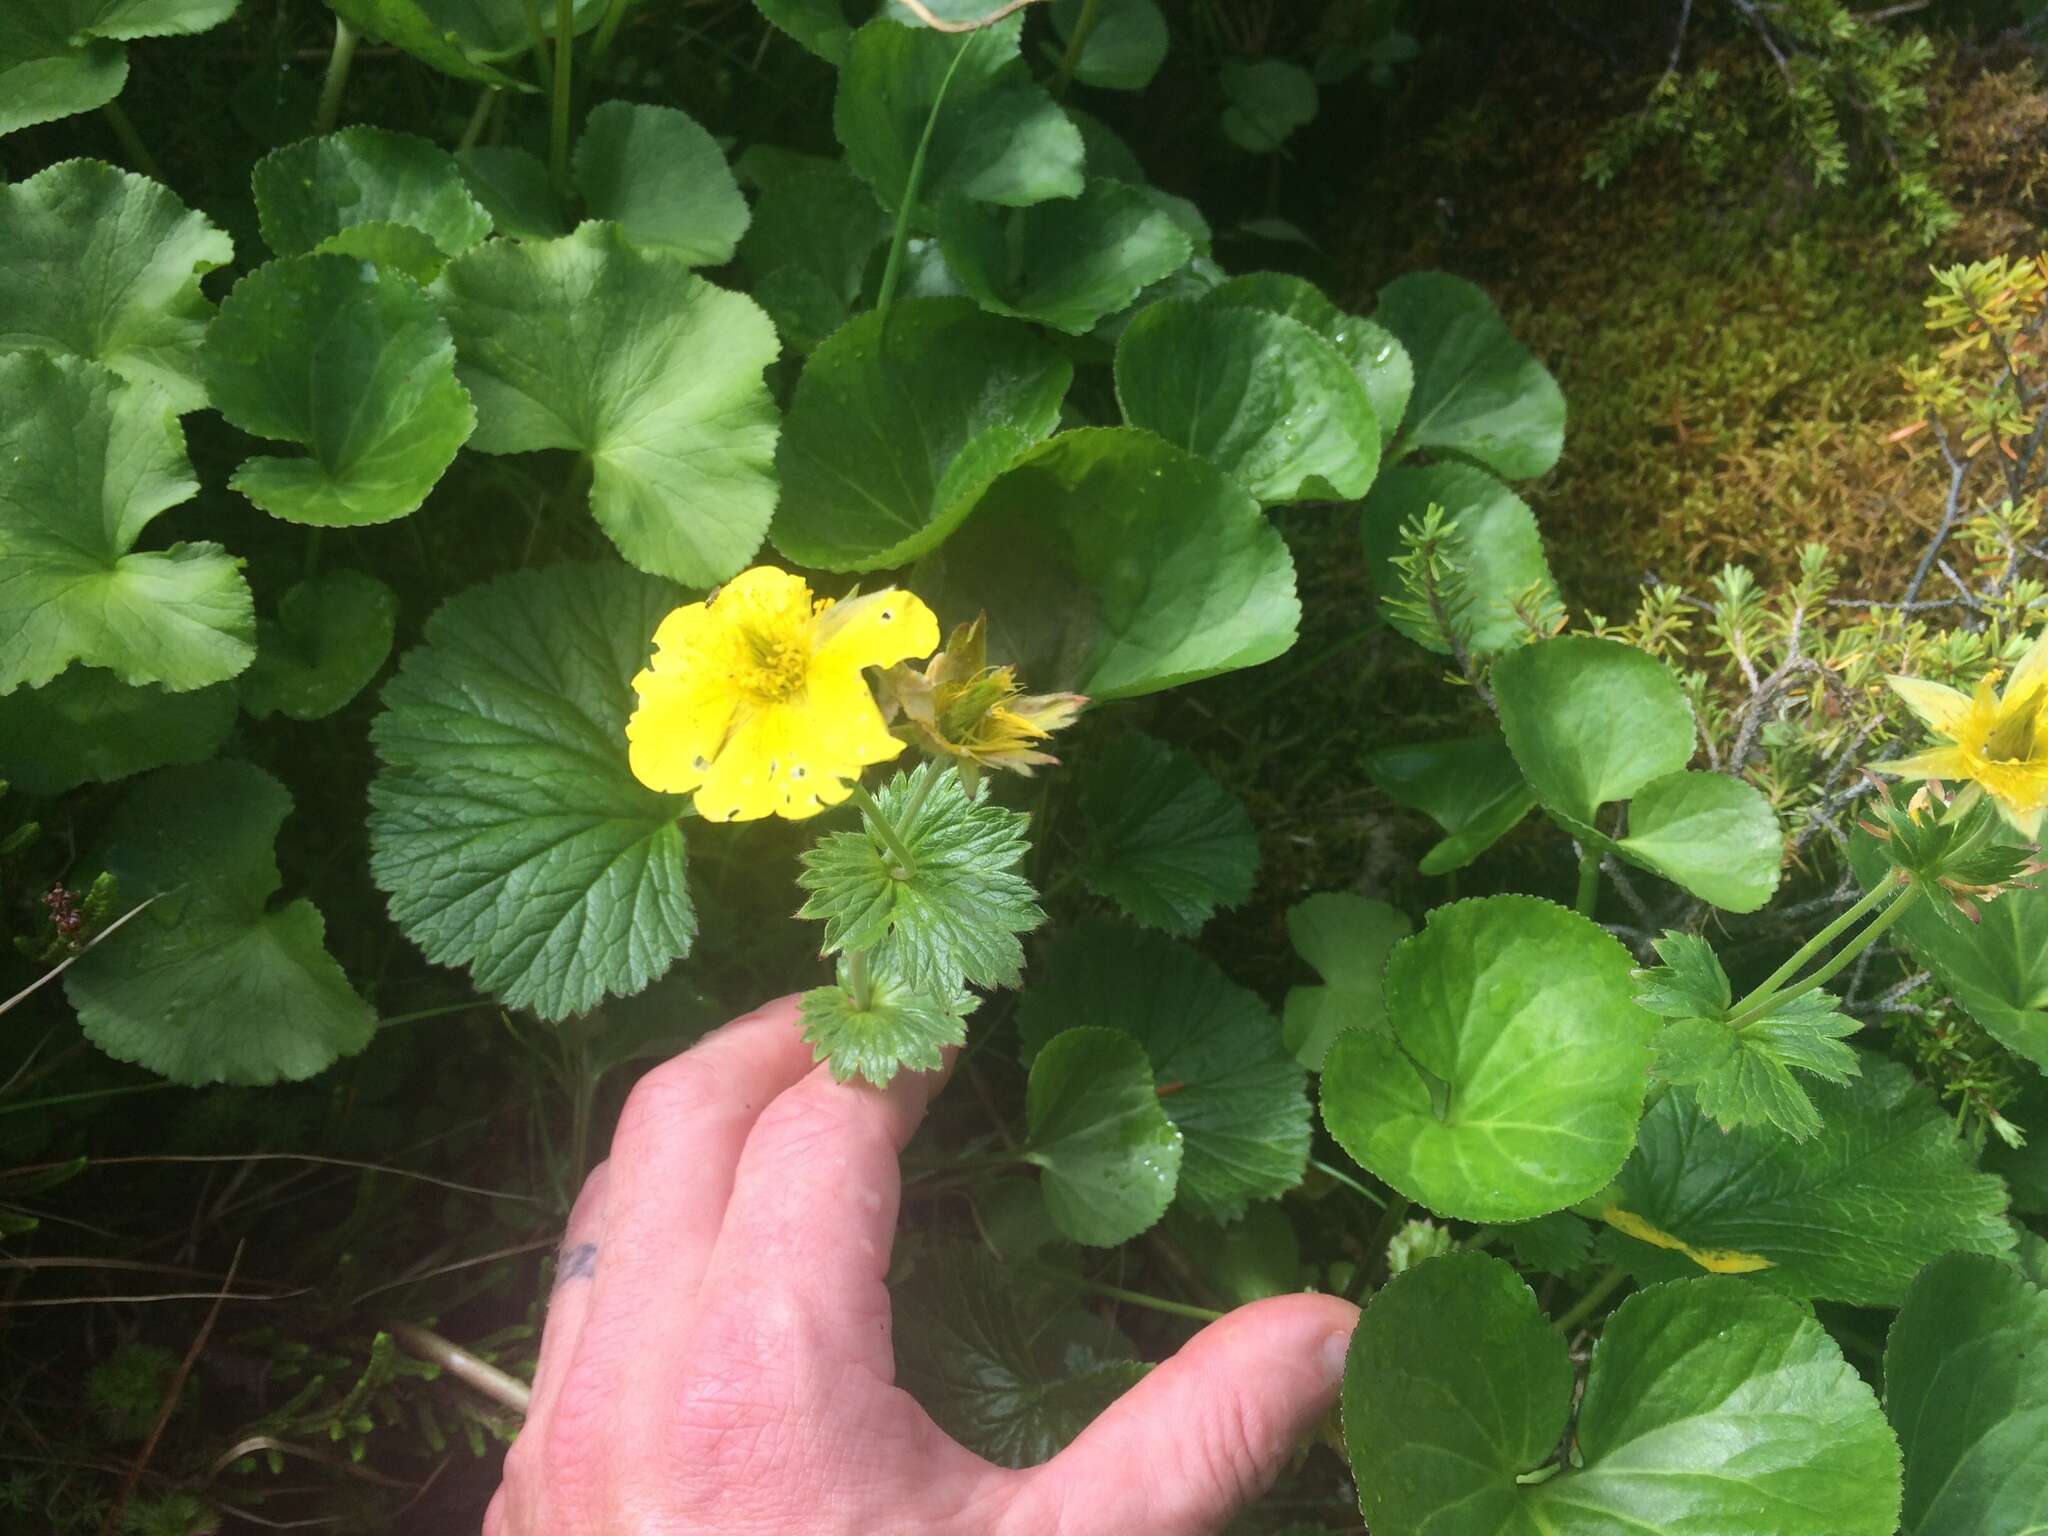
point(49, 976)
point(499, 1386)
point(938, 24)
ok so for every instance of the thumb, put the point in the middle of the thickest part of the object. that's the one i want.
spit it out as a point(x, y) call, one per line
point(1204, 1433)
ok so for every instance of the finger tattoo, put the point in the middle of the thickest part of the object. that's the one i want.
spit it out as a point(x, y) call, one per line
point(577, 1263)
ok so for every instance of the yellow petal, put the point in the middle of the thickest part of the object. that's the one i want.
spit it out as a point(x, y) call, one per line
point(1935, 763)
point(843, 726)
point(876, 629)
point(763, 592)
point(1941, 707)
point(2031, 675)
point(2025, 821)
point(677, 728)
point(1719, 1261)
point(756, 770)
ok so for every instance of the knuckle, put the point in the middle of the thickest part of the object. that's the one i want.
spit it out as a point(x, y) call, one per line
point(677, 1093)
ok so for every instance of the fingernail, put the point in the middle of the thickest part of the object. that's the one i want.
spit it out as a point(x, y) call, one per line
point(1335, 1348)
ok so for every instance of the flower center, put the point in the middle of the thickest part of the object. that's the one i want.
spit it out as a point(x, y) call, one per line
point(776, 668)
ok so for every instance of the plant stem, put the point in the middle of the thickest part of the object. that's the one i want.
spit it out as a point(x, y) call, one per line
point(857, 978)
point(1827, 973)
point(1091, 12)
point(893, 267)
point(131, 141)
point(477, 120)
point(1588, 1304)
point(1339, 1176)
point(1140, 1299)
point(1383, 1235)
point(81, 1098)
point(1589, 882)
point(337, 77)
point(886, 830)
point(543, 60)
point(565, 55)
point(607, 29)
point(1812, 947)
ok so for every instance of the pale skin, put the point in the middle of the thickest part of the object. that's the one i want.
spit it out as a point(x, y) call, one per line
point(717, 1352)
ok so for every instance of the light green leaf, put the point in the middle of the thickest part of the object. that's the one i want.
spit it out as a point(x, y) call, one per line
point(1850, 1215)
point(1112, 563)
point(879, 1023)
point(1002, 1361)
point(1111, 1157)
point(1166, 843)
point(505, 825)
point(1124, 48)
point(820, 25)
point(1512, 1080)
point(352, 361)
point(99, 264)
point(656, 173)
point(1469, 786)
point(1709, 1410)
point(1996, 967)
point(1065, 262)
point(432, 34)
point(1347, 939)
point(997, 138)
point(398, 246)
point(330, 637)
point(1964, 1389)
point(1261, 396)
point(889, 445)
point(1379, 361)
point(816, 226)
point(1717, 836)
point(513, 187)
point(86, 464)
point(310, 191)
point(1498, 547)
point(1591, 721)
point(954, 913)
point(87, 726)
point(58, 57)
point(625, 355)
point(1479, 393)
point(1224, 1077)
point(1266, 100)
point(209, 984)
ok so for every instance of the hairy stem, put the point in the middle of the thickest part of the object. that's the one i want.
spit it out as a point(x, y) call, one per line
point(886, 830)
point(131, 141)
point(1902, 904)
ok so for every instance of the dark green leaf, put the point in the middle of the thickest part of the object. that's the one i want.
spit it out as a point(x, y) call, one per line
point(816, 226)
point(432, 39)
point(58, 57)
point(1123, 49)
point(330, 637)
point(1469, 786)
point(820, 25)
point(514, 189)
point(87, 726)
point(879, 1023)
point(1166, 843)
point(1498, 548)
point(1111, 1157)
point(1379, 361)
point(1267, 99)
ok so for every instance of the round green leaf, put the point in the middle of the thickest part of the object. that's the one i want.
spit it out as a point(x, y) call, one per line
point(820, 25)
point(1469, 786)
point(499, 29)
point(625, 355)
point(1224, 1077)
point(1260, 396)
point(1111, 562)
point(815, 228)
point(1110, 1155)
point(73, 587)
point(210, 984)
point(1514, 1075)
point(1379, 361)
point(505, 824)
point(1166, 843)
point(1498, 547)
point(1715, 835)
point(1479, 393)
point(893, 437)
point(1123, 49)
point(1267, 99)
point(1347, 939)
point(432, 33)
point(661, 178)
point(48, 70)
point(1964, 1389)
point(398, 246)
point(87, 726)
point(1067, 262)
point(1849, 1215)
point(1591, 721)
point(997, 137)
point(329, 638)
point(1709, 1410)
point(354, 362)
point(312, 190)
point(514, 189)
point(99, 264)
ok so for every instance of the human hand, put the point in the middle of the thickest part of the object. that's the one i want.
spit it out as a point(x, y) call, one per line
point(717, 1355)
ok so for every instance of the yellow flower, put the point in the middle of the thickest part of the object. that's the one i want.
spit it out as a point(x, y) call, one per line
point(1998, 740)
point(755, 699)
point(961, 707)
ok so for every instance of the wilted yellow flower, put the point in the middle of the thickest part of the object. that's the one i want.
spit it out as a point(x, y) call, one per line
point(961, 707)
point(1996, 739)
point(755, 699)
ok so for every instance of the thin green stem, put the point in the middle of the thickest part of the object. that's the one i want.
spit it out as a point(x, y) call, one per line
point(131, 141)
point(1588, 1304)
point(82, 1098)
point(422, 1014)
point(1589, 882)
point(1382, 1237)
point(1140, 1299)
point(336, 82)
point(478, 119)
point(1091, 12)
point(857, 979)
point(1813, 947)
point(1338, 1175)
point(565, 85)
point(892, 269)
point(1827, 973)
point(886, 830)
point(601, 40)
point(543, 56)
